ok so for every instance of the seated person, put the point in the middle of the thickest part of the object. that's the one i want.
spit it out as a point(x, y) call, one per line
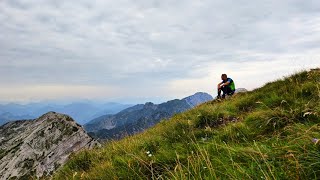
point(227, 86)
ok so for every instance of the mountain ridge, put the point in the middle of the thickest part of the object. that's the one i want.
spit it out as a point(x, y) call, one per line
point(140, 117)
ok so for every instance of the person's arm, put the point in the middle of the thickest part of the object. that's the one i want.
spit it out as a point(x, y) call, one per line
point(223, 84)
point(226, 83)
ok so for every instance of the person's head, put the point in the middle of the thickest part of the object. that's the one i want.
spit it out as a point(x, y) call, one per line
point(224, 77)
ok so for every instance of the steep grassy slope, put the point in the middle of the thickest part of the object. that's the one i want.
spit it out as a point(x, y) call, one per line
point(269, 133)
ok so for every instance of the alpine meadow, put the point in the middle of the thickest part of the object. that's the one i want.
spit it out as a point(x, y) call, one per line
point(271, 132)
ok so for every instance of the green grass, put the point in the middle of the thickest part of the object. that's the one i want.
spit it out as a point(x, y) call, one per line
point(263, 134)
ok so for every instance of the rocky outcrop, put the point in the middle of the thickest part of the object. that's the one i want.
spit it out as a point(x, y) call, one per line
point(35, 148)
point(198, 98)
point(241, 90)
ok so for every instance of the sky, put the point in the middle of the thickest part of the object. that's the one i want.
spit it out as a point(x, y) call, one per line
point(150, 50)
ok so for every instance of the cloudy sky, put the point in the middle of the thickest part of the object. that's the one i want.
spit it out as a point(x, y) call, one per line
point(152, 50)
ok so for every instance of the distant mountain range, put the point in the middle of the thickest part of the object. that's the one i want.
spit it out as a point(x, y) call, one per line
point(7, 117)
point(82, 112)
point(35, 148)
point(140, 117)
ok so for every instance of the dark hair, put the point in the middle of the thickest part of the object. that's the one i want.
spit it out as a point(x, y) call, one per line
point(224, 75)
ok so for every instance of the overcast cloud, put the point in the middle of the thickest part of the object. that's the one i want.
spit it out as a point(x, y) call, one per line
point(150, 49)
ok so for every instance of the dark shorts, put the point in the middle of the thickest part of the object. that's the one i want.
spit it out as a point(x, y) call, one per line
point(226, 91)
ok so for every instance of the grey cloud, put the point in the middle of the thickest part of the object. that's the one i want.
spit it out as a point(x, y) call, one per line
point(146, 42)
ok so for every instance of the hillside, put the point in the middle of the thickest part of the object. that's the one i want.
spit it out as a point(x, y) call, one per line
point(140, 117)
point(35, 148)
point(269, 133)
